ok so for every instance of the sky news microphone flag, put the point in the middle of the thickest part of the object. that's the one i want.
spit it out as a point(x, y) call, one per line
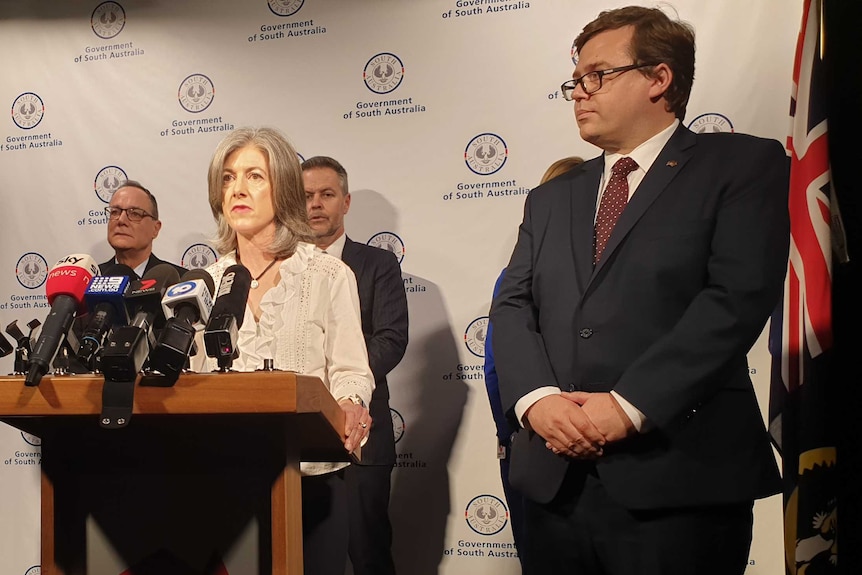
point(65, 287)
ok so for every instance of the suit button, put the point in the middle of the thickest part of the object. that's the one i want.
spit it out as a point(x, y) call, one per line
point(585, 333)
point(693, 412)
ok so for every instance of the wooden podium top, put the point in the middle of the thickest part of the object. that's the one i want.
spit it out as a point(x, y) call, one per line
point(194, 393)
point(224, 394)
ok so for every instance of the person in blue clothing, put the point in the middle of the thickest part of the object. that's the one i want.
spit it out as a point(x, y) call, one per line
point(504, 428)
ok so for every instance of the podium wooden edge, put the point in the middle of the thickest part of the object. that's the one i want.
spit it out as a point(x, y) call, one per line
point(231, 393)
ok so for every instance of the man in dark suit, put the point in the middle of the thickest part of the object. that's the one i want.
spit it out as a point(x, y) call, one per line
point(133, 224)
point(383, 306)
point(621, 340)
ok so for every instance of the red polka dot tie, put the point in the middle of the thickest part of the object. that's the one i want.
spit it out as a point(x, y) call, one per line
point(612, 205)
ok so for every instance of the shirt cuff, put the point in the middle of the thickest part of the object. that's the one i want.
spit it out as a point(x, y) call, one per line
point(639, 420)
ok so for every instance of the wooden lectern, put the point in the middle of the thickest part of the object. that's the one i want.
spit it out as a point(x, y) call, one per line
point(215, 450)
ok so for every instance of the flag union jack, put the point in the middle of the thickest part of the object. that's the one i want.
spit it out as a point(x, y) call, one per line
point(801, 328)
point(808, 286)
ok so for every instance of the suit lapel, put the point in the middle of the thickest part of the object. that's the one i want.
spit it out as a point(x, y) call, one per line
point(351, 254)
point(667, 165)
point(584, 193)
point(152, 262)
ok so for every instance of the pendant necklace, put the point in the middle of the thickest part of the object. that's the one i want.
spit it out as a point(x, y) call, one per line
point(254, 282)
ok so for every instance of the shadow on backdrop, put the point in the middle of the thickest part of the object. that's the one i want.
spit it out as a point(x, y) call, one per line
point(427, 411)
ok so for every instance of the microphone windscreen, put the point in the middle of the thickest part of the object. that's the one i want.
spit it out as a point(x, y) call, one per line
point(145, 295)
point(6, 346)
point(233, 293)
point(165, 274)
point(119, 270)
point(111, 290)
point(200, 274)
point(191, 299)
point(70, 276)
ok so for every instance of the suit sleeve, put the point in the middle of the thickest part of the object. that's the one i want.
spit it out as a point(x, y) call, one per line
point(743, 279)
point(492, 384)
point(387, 341)
point(346, 360)
point(522, 363)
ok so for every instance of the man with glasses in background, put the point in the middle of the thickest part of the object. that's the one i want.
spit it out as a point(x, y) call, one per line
point(638, 284)
point(133, 224)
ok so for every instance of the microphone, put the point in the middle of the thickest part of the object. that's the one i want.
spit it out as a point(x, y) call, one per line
point(227, 315)
point(24, 347)
point(5, 346)
point(127, 347)
point(104, 299)
point(187, 305)
point(67, 281)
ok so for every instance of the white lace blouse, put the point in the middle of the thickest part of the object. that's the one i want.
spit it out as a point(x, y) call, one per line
point(310, 324)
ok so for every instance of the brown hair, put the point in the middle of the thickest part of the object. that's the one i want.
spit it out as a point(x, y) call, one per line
point(656, 38)
point(288, 191)
point(332, 164)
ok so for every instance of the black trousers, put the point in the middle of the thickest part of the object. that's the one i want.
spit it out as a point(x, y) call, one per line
point(584, 532)
point(516, 503)
point(324, 524)
point(370, 540)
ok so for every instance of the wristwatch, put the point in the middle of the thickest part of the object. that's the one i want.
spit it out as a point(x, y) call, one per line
point(355, 399)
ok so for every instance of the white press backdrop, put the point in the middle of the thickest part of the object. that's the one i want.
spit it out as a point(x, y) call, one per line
point(444, 112)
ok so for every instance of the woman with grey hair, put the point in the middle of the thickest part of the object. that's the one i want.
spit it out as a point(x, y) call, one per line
point(302, 310)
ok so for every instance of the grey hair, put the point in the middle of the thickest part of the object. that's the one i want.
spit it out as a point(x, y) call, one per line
point(332, 164)
point(136, 184)
point(288, 191)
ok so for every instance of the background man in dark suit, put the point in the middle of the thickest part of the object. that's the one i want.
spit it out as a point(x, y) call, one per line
point(621, 344)
point(133, 224)
point(383, 305)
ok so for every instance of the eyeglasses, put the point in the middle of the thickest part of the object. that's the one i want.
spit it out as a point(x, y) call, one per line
point(591, 82)
point(134, 214)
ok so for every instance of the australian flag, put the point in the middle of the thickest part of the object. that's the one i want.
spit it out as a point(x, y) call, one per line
point(800, 337)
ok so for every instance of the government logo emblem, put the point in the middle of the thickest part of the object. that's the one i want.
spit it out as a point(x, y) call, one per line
point(107, 181)
point(486, 154)
point(474, 337)
point(198, 256)
point(486, 515)
point(108, 20)
point(27, 110)
point(196, 93)
point(383, 73)
point(285, 7)
point(31, 270)
point(31, 439)
point(34, 570)
point(389, 242)
point(397, 424)
point(711, 123)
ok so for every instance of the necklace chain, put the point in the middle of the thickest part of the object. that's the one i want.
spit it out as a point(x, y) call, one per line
point(254, 282)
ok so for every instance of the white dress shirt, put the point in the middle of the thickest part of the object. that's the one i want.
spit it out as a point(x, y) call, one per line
point(336, 248)
point(310, 324)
